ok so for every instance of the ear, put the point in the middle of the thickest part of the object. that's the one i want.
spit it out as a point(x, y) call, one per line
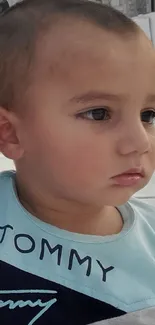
point(9, 142)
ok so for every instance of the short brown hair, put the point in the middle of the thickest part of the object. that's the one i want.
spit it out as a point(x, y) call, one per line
point(20, 27)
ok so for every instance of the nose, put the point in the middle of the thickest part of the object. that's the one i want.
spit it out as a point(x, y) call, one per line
point(134, 138)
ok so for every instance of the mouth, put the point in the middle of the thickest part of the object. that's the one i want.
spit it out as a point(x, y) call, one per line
point(130, 177)
point(133, 171)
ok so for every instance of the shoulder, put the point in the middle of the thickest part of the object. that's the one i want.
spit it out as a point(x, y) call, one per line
point(6, 181)
point(143, 211)
point(6, 177)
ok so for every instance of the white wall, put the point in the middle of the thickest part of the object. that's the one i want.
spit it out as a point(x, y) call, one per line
point(5, 163)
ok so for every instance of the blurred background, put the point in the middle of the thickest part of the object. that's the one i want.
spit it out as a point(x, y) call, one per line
point(131, 7)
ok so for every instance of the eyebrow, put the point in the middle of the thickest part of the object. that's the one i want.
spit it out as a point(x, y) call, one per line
point(94, 95)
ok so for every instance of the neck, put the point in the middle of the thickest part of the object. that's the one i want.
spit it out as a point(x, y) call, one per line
point(69, 215)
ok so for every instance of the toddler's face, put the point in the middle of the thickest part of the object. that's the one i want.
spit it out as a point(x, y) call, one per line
point(90, 114)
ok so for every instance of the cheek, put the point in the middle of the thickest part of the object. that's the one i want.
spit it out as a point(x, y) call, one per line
point(79, 160)
point(152, 153)
point(71, 154)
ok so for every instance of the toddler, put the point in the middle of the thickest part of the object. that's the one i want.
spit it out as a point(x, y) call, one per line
point(77, 117)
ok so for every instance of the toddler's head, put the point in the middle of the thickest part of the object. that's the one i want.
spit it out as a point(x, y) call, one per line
point(77, 98)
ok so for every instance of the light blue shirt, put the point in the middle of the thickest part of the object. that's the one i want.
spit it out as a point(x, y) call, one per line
point(117, 269)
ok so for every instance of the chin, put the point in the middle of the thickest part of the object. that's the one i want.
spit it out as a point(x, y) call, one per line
point(120, 195)
point(121, 201)
point(117, 197)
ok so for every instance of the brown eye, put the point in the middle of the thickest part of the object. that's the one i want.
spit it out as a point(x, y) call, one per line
point(98, 114)
point(148, 117)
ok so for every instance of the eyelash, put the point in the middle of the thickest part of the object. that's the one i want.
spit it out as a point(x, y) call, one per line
point(99, 112)
point(103, 112)
point(152, 112)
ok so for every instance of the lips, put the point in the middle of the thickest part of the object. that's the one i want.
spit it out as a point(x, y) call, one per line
point(134, 171)
point(130, 177)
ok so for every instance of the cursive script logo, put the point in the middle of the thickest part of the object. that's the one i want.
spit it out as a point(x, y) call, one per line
point(21, 304)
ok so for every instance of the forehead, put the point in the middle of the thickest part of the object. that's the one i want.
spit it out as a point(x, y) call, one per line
point(80, 55)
